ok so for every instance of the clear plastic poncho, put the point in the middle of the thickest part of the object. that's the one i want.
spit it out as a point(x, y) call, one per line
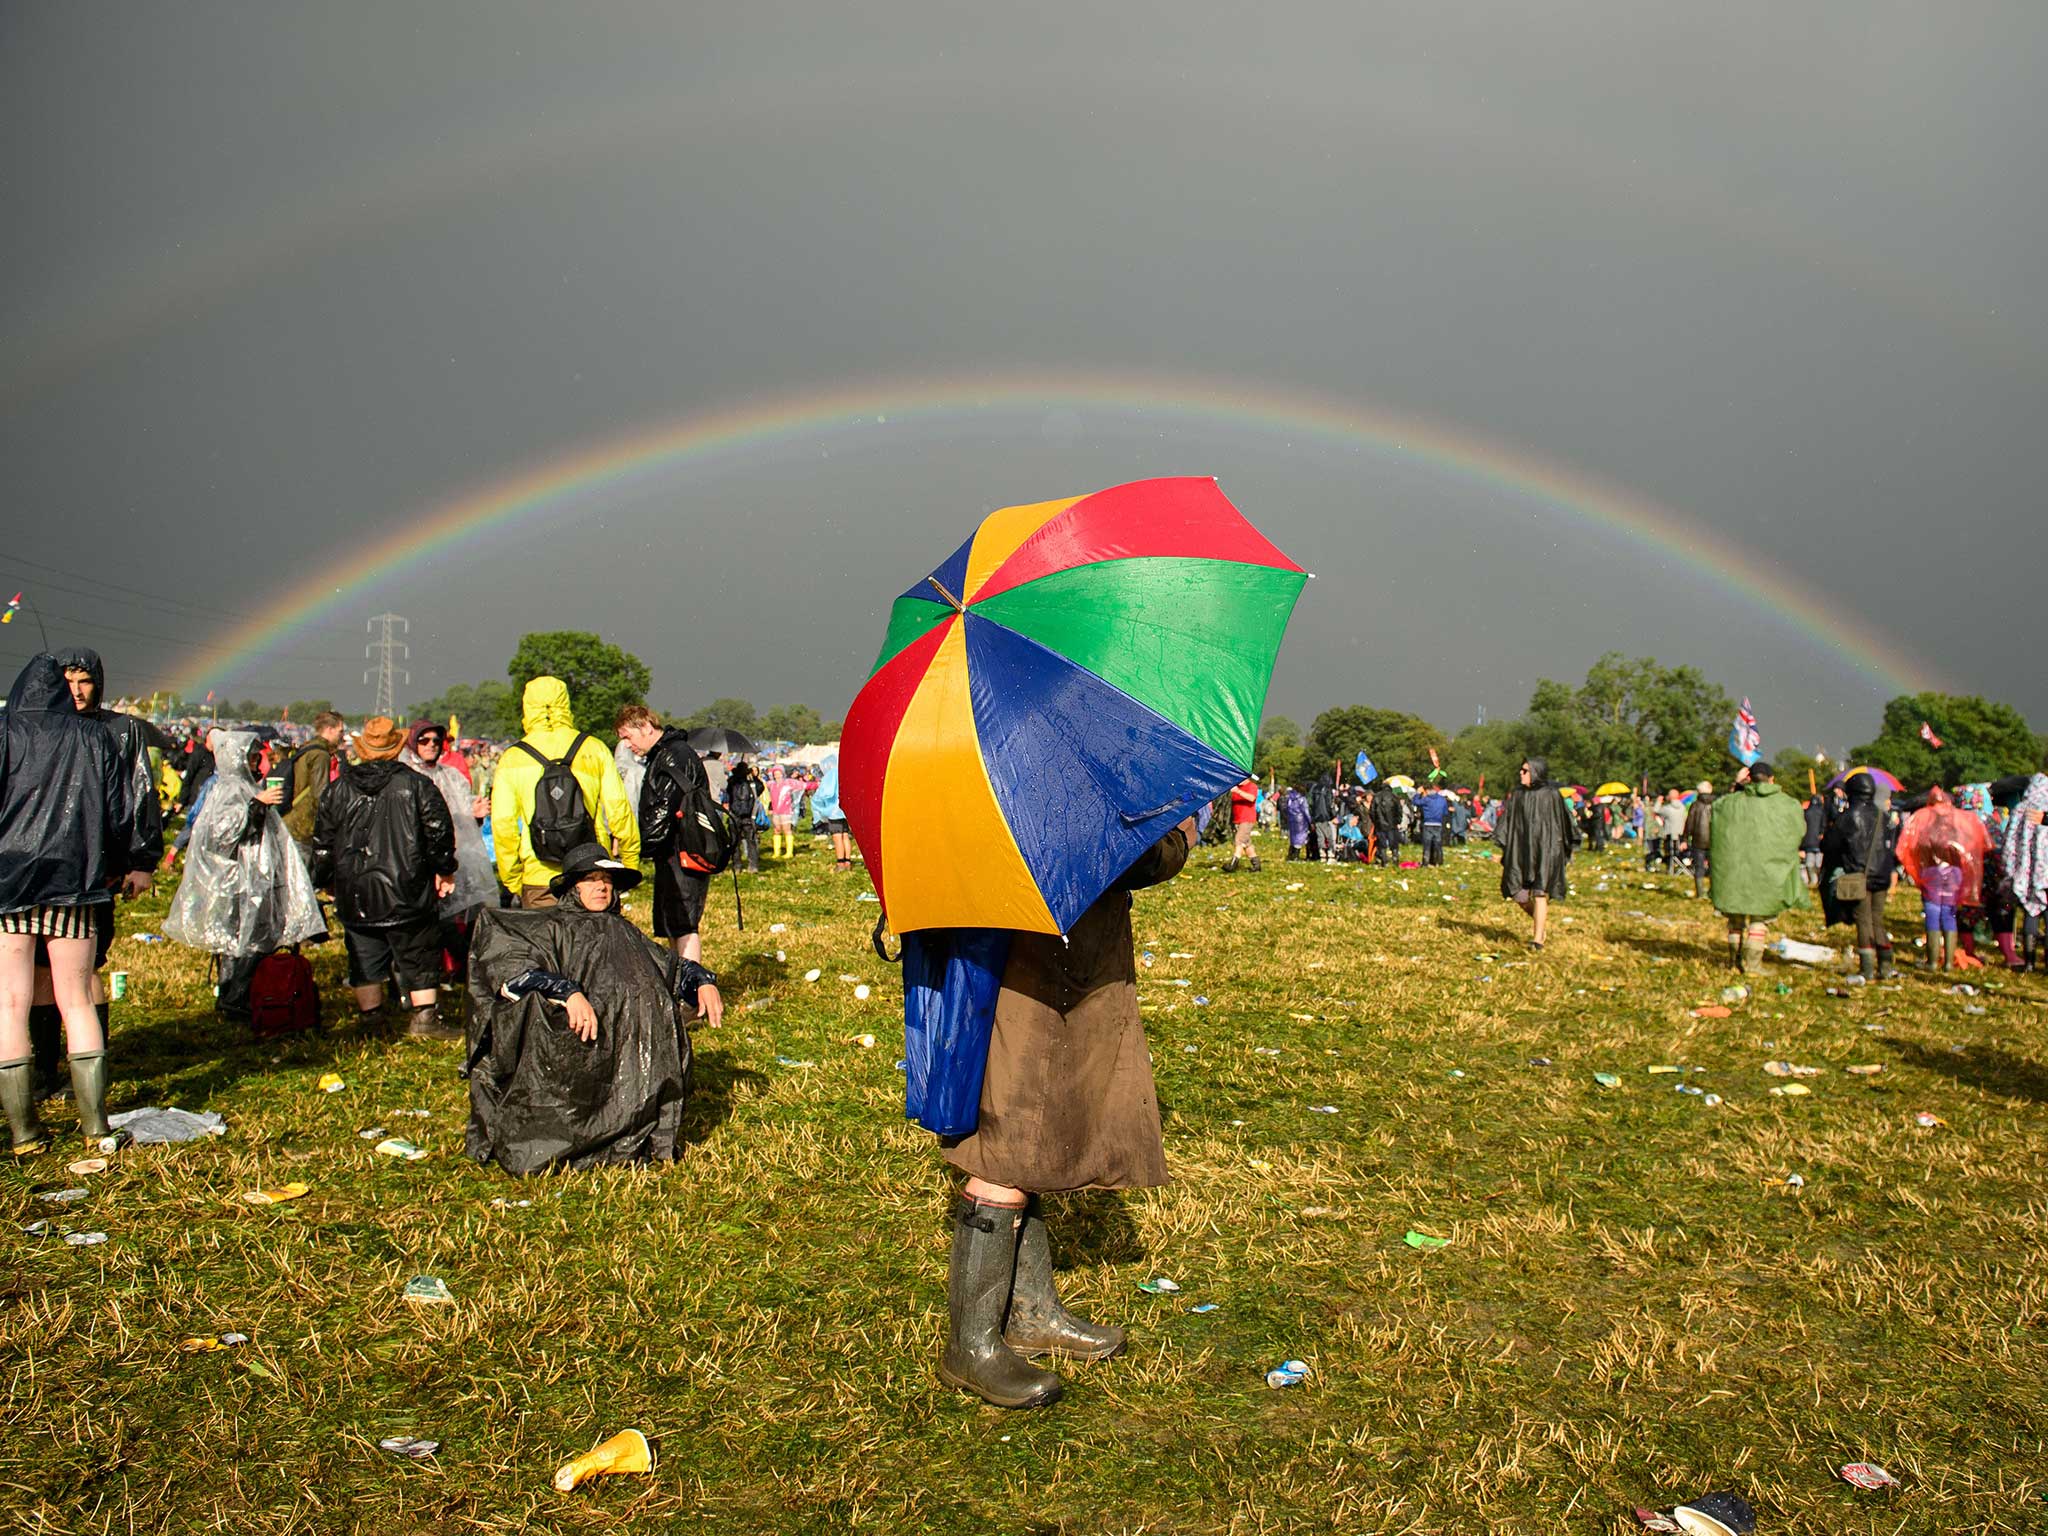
point(244, 892)
point(476, 872)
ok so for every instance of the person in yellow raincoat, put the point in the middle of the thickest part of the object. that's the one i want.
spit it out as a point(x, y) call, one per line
point(550, 732)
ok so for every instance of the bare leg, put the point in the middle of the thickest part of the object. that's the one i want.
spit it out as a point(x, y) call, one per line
point(1539, 909)
point(71, 982)
point(370, 998)
point(996, 1194)
point(17, 989)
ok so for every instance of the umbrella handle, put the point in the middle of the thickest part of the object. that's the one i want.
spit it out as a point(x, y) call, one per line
point(881, 945)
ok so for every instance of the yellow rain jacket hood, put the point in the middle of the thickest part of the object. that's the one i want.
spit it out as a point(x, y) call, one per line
point(550, 728)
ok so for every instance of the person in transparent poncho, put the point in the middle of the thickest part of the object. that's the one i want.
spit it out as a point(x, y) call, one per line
point(246, 891)
point(476, 870)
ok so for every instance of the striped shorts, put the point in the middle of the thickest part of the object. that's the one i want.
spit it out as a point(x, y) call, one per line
point(51, 922)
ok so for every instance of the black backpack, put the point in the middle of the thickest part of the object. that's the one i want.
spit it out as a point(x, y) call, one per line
point(705, 833)
point(561, 816)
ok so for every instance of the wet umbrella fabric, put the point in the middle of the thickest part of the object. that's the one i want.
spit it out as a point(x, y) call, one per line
point(721, 742)
point(1878, 774)
point(1076, 678)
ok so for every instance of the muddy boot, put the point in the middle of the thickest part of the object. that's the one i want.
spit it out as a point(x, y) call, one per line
point(1866, 964)
point(89, 1088)
point(1886, 971)
point(18, 1099)
point(1038, 1324)
point(427, 1024)
point(46, 1042)
point(1255, 863)
point(1738, 952)
point(977, 1296)
point(1752, 956)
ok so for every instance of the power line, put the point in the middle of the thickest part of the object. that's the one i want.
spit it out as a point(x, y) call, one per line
point(97, 625)
point(208, 610)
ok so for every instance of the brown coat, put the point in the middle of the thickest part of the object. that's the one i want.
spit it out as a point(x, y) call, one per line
point(1067, 1101)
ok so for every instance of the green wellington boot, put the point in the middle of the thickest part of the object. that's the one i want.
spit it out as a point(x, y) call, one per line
point(1038, 1324)
point(89, 1089)
point(18, 1100)
point(978, 1282)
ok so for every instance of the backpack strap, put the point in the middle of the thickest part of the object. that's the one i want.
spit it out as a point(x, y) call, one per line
point(534, 752)
point(569, 761)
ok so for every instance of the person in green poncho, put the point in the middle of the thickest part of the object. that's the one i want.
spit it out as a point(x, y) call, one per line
point(1753, 861)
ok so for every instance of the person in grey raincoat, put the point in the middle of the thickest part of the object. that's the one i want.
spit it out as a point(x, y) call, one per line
point(246, 890)
point(1536, 835)
point(579, 1055)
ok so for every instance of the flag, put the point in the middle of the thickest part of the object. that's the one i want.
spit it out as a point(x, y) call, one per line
point(1745, 741)
point(1364, 768)
point(454, 728)
point(1436, 769)
point(13, 607)
point(1927, 735)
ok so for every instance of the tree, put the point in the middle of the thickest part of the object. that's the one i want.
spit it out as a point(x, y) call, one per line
point(1280, 731)
point(302, 711)
point(602, 678)
point(733, 714)
point(1396, 741)
point(793, 722)
point(1490, 752)
point(1631, 720)
point(489, 709)
point(1980, 740)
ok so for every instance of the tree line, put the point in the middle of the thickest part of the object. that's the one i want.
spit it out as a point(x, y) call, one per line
point(1636, 720)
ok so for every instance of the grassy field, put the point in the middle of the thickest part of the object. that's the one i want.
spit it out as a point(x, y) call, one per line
point(1633, 1305)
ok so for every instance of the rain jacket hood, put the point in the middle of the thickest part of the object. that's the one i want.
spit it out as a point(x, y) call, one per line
point(246, 890)
point(544, 706)
point(1754, 841)
point(63, 806)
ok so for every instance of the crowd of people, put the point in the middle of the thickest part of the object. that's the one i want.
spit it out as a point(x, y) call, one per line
point(418, 856)
point(499, 876)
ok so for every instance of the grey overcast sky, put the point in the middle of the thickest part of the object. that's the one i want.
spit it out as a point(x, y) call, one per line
point(1715, 333)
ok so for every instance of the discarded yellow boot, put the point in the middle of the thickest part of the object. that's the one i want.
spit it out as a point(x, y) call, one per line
point(627, 1451)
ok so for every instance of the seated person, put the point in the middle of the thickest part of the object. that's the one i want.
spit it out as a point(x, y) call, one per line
point(577, 1055)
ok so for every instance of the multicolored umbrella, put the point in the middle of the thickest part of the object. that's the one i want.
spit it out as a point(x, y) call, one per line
point(1878, 774)
point(1078, 677)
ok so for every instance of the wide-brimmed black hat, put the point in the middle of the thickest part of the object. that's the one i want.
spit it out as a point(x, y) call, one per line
point(589, 859)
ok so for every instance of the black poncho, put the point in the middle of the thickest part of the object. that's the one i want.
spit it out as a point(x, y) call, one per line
point(1536, 835)
point(538, 1096)
point(64, 817)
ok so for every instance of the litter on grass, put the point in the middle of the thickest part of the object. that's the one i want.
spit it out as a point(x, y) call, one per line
point(1203, 1308)
point(1928, 1122)
point(201, 1344)
point(277, 1196)
point(1607, 1079)
point(1791, 1091)
point(627, 1451)
point(1787, 1069)
point(397, 1146)
point(1424, 1241)
point(1158, 1285)
point(431, 1289)
point(370, 1133)
point(87, 1165)
point(1288, 1373)
point(1865, 1069)
point(1868, 1475)
point(1712, 1011)
point(407, 1446)
point(502, 1204)
point(150, 1126)
point(812, 975)
point(85, 1239)
point(330, 1082)
point(61, 1196)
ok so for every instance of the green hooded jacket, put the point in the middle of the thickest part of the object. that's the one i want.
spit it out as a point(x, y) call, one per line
point(1754, 852)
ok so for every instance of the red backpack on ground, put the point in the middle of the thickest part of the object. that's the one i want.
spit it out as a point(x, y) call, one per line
point(283, 999)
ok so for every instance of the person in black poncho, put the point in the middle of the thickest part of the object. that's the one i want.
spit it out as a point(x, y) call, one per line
point(578, 1056)
point(1536, 837)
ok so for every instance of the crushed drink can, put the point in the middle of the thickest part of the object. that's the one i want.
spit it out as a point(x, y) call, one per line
point(1868, 1475)
point(117, 986)
point(407, 1446)
point(1288, 1373)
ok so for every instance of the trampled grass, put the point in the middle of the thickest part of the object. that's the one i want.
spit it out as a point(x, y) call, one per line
point(1633, 1305)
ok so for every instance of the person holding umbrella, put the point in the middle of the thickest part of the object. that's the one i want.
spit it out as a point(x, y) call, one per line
point(1045, 713)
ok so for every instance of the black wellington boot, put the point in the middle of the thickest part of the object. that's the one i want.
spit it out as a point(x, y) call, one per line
point(18, 1100)
point(427, 1024)
point(1038, 1324)
point(46, 1041)
point(89, 1089)
point(977, 1295)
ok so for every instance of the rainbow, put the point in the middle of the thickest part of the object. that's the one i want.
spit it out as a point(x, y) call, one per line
point(586, 477)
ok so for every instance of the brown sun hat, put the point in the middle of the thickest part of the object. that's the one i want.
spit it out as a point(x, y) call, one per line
point(379, 738)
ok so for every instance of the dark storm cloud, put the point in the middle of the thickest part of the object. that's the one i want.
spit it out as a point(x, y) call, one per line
point(280, 281)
